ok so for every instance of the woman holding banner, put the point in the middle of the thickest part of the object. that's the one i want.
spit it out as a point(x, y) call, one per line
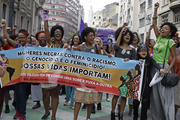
point(2, 90)
point(54, 40)
point(74, 45)
point(123, 37)
point(21, 89)
point(85, 96)
point(162, 98)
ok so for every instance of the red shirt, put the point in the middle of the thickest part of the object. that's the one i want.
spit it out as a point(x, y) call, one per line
point(177, 62)
point(7, 47)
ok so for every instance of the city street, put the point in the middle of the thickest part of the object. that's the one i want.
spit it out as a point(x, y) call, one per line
point(66, 113)
point(123, 47)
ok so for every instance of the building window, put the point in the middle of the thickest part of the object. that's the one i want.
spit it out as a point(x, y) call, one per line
point(129, 1)
point(148, 19)
point(4, 11)
point(164, 18)
point(165, 2)
point(142, 36)
point(14, 18)
point(121, 8)
point(149, 3)
point(177, 18)
point(28, 25)
point(142, 7)
point(22, 20)
point(142, 22)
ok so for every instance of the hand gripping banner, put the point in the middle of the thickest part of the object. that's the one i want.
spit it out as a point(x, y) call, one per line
point(67, 67)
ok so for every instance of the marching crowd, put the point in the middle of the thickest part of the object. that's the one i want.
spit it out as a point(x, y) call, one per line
point(162, 54)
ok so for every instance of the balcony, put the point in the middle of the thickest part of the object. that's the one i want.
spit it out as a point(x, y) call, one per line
point(175, 5)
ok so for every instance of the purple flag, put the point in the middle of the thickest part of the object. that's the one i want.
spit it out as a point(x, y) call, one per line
point(82, 26)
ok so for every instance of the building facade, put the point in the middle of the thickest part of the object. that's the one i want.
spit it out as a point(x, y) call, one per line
point(25, 14)
point(106, 17)
point(139, 13)
point(128, 12)
point(65, 13)
point(146, 10)
point(170, 12)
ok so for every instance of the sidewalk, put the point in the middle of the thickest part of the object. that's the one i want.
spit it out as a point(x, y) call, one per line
point(66, 113)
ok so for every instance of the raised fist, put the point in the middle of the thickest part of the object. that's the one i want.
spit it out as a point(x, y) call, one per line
point(156, 5)
point(3, 23)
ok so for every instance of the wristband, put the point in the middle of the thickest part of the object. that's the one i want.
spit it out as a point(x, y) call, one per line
point(154, 18)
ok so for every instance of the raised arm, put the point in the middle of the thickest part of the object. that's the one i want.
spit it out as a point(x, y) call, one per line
point(120, 35)
point(148, 35)
point(156, 31)
point(14, 29)
point(46, 28)
point(6, 36)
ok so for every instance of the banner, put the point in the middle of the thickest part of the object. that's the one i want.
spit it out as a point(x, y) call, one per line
point(106, 34)
point(67, 67)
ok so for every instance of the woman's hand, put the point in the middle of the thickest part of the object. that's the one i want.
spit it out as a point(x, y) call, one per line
point(69, 47)
point(2, 71)
point(156, 5)
point(163, 71)
point(109, 55)
point(141, 60)
point(3, 23)
point(126, 59)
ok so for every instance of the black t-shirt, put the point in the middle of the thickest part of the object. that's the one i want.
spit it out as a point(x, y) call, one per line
point(123, 53)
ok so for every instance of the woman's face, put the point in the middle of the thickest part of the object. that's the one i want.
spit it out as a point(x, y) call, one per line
point(135, 39)
point(176, 40)
point(22, 39)
point(104, 47)
point(165, 31)
point(42, 40)
point(142, 54)
point(126, 38)
point(58, 34)
point(97, 41)
point(76, 40)
point(28, 40)
point(90, 38)
point(34, 42)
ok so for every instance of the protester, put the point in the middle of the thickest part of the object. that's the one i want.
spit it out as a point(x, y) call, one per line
point(36, 90)
point(143, 55)
point(2, 71)
point(21, 89)
point(133, 45)
point(85, 96)
point(176, 69)
point(135, 41)
point(150, 42)
point(162, 98)
point(124, 38)
point(74, 45)
point(52, 90)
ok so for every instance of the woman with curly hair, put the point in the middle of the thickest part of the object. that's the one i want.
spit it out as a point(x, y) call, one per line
point(162, 98)
point(54, 40)
point(85, 96)
point(124, 38)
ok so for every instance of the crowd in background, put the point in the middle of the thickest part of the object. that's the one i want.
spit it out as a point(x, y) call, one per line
point(163, 102)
